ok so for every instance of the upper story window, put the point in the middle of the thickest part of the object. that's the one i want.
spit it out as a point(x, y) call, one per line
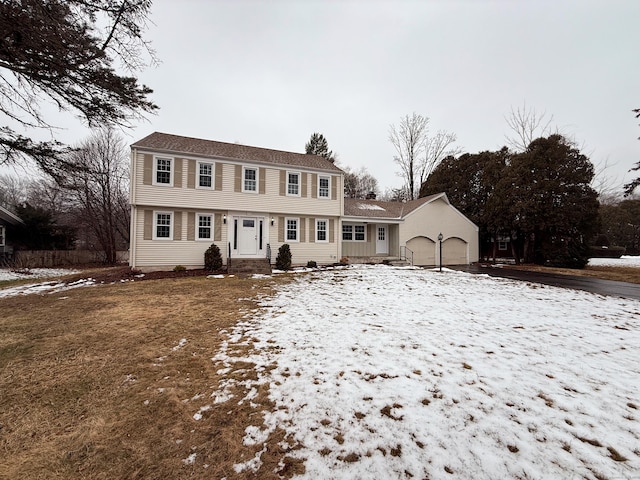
point(321, 231)
point(291, 233)
point(293, 184)
point(205, 175)
point(353, 233)
point(163, 171)
point(205, 227)
point(250, 179)
point(162, 226)
point(324, 186)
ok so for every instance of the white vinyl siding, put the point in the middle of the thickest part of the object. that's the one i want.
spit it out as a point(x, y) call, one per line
point(163, 171)
point(162, 225)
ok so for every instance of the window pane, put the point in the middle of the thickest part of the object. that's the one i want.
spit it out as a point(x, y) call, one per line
point(292, 229)
point(163, 225)
point(163, 170)
point(205, 175)
point(347, 232)
point(293, 184)
point(321, 229)
point(250, 176)
point(204, 226)
point(324, 187)
point(359, 229)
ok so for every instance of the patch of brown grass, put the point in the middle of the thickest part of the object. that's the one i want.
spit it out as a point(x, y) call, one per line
point(94, 385)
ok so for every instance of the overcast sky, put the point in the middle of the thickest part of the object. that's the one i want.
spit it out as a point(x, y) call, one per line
point(271, 73)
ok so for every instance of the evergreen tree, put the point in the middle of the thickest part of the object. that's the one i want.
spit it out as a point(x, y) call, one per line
point(318, 145)
point(68, 51)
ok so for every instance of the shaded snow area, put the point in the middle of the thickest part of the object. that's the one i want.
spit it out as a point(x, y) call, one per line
point(7, 274)
point(389, 372)
point(43, 287)
point(624, 261)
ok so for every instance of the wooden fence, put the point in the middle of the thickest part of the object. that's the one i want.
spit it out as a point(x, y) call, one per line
point(61, 258)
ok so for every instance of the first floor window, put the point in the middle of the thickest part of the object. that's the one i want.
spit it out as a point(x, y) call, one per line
point(163, 225)
point(293, 184)
point(204, 227)
point(250, 180)
point(321, 231)
point(347, 232)
point(163, 171)
point(353, 233)
point(1, 235)
point(205, 175)
point(292, 229)
point(323, 187)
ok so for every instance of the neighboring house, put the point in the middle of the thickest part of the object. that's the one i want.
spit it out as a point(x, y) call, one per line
point(8, 220)
point(188, 193)
point(374, 229)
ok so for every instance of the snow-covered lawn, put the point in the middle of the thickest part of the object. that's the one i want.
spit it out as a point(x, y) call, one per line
point(7, 274)
point(624, 261)
point(387, 372)
point(42, 287)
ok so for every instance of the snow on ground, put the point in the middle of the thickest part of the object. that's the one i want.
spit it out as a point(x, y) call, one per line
point(43, 287)
point(7, 274)
point(386, 372)
point(624, 261)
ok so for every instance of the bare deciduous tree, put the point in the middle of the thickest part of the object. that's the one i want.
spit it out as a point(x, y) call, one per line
point(526, 124)
point(98, 182)
point(418, 153)
point(358, 184)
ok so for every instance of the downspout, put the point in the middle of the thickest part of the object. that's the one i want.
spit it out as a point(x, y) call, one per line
point(132, 200)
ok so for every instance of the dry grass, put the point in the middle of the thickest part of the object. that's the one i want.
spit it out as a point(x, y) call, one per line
point(618, 274)
point(92, 387)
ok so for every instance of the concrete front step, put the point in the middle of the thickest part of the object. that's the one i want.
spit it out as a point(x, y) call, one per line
point(248, 266)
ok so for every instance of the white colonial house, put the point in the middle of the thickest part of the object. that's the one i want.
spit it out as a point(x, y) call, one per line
point(188, 193)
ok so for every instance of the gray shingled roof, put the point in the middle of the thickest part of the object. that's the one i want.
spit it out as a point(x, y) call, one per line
point(8, 216)
point(208, 148)
point(354, 207)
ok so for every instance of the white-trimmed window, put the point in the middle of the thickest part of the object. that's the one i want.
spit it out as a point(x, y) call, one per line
point(291, 226)
point(162, 223)
point(2, 235)
point(324, 187)
point(249, 179)
point(353, 232)
point(293, 184)
point(204, 227)
point(205, 175)
point(163, 171)
point(322, 234)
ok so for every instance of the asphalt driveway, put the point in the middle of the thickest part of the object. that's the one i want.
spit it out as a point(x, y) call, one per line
point(589, 284)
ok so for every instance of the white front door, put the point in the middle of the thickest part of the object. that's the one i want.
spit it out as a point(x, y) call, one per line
point(382, 239)
point(247, 236)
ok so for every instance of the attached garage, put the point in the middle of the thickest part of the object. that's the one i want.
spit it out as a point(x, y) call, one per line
point(454, 252)
point(424, 251)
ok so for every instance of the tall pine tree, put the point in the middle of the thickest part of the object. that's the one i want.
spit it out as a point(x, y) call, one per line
point(318, 145)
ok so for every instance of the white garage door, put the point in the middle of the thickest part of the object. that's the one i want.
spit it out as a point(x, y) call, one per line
point(424, 251)
point(454, 252)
